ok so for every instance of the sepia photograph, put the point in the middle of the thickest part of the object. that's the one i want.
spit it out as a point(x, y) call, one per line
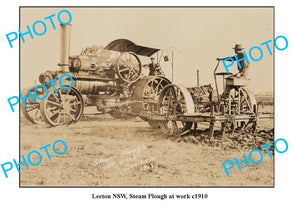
point(147, 96)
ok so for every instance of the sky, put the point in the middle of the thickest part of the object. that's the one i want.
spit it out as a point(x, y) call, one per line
point(196, 35)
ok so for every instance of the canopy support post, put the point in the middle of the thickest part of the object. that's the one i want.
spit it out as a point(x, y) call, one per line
point(172, 65)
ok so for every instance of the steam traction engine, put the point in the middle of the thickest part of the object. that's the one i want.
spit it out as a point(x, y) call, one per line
point(117, 87)
point(114, 86)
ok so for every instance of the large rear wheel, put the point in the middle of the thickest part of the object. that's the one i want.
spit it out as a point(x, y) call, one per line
point(146, 92)
point(175, 100)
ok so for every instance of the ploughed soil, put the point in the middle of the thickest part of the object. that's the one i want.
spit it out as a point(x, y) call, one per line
point(104, 151)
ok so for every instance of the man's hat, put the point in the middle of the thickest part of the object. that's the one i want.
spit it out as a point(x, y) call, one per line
point(238, 47)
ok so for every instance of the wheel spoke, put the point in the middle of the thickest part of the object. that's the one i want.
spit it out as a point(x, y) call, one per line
point(125, 62)
point(73, 118)
point(54, 103)
point(52, 108)
point(132, 73)
point(75, 103)
point(31, 104)
point(157, 86)
point(248, 104)
point(54, 95)
point(124, 69)
point(135, 71)
point(59, 95)
point(58, 119)
point(72, 110)
point(53, 115)
point(31, 109)
point(245, 97)
point(35, 114)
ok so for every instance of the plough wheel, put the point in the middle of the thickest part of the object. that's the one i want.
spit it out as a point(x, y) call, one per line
point(175, 100)
point(32, 110)
point(64, 107)
point(242, 101)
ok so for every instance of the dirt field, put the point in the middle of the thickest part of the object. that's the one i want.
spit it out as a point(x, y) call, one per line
point(103, 151)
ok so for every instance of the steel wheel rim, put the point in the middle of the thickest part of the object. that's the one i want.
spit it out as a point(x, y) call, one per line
point(152, 92)
point(175, 100)
point(32, 110)
point(62, 108)
point(242, 101)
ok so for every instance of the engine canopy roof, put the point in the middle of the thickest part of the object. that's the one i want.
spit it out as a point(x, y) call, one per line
point(124, 45)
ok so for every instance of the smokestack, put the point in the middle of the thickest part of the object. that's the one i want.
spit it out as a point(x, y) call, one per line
point(65, 37)
point(198, 78)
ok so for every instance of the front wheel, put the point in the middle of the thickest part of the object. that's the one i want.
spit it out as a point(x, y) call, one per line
point(32, 110)
point(64, 107)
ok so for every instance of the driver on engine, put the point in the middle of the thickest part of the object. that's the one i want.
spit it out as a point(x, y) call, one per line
point(154, 68)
